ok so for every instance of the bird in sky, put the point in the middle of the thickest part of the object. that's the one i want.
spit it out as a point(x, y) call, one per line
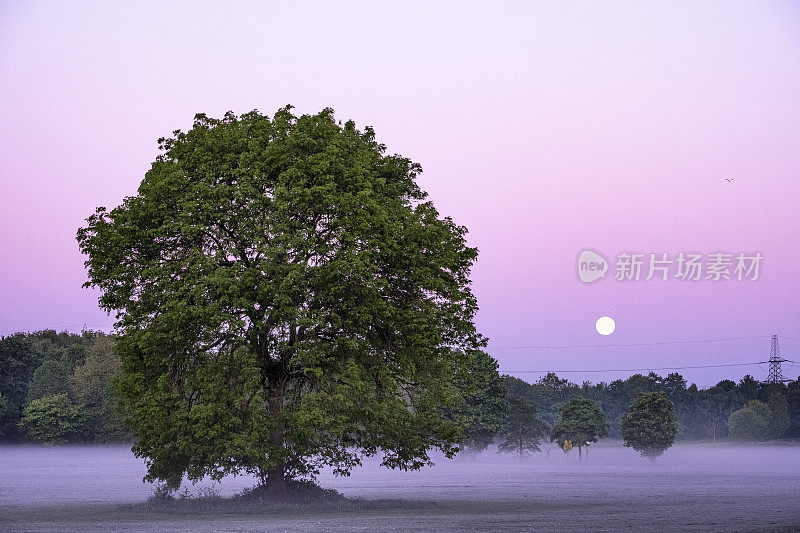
point(729, 180)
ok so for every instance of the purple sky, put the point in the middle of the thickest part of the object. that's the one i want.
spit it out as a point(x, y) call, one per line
point(544, 128)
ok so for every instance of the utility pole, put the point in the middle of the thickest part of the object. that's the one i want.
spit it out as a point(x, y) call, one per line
point(775, 375)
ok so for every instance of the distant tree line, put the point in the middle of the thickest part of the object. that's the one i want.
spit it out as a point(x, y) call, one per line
point(747, 410)
point(58, 387)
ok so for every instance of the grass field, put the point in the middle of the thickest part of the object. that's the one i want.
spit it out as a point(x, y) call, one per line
point(691, 488)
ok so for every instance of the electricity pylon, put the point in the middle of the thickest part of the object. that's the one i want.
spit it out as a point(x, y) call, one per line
point(775, 375)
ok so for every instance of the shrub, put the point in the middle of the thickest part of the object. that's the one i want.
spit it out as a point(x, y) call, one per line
point(752, 422)
point(52, 419)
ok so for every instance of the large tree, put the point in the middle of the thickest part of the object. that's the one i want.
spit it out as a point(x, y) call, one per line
point(484, 411)
point(286, 298)
point(650, 425)
point(581, 422)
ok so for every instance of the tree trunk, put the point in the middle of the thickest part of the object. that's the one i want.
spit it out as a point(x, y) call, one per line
point(276, 483)
point(276, 474)
point(580, 453)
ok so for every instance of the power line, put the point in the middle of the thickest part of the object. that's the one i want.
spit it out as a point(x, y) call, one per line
point(650, 369)
point(660, 343)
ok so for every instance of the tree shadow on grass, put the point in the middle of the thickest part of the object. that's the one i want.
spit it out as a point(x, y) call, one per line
point(301, 497)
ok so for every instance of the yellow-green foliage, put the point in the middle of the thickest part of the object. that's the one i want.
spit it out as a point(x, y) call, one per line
point(52, 419)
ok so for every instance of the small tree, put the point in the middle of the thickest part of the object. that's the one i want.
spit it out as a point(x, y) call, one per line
point(524, 430)
point(52, 419)
point(752, 422)
point(582, 421)
point(650, 425)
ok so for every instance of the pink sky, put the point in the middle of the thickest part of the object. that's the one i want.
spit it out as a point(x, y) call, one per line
point(545, 128)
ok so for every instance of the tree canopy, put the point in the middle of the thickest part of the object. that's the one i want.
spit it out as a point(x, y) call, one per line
point(751, 422)
point(581, 422)
point(524, 430)
point(286, 298)
point(484, 411)
point(52, 419)
point(779, 416)
point(650, 425)
point(36, 365)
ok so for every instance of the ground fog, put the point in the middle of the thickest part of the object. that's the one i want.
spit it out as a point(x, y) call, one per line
point(692, 487)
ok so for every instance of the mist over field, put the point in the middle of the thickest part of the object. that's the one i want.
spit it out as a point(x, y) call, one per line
point(692, 487)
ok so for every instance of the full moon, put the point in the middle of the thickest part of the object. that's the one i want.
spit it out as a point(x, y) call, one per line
point(605, 325)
